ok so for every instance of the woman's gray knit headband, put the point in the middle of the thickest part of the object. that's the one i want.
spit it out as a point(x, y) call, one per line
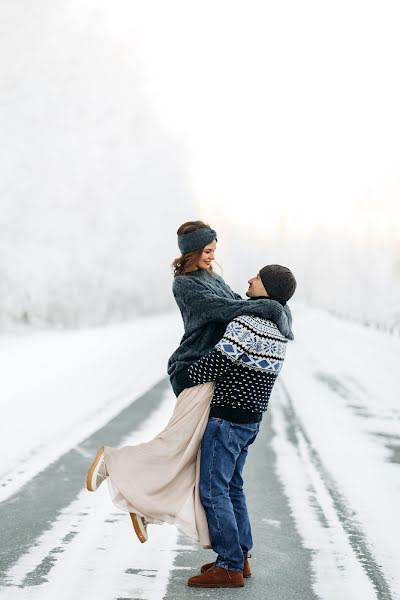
point(190, 242)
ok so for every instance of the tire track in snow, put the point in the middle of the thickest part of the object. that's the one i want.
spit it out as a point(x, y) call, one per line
point(356, 536)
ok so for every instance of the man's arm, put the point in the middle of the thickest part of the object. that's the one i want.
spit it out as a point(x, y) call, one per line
point(214, 365)
point(202, 306)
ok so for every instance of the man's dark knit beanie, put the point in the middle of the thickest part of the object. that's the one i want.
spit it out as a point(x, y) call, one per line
point(278, 281)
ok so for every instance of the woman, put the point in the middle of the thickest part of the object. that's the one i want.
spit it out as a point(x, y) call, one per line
point(157, 481)
point(206, 302)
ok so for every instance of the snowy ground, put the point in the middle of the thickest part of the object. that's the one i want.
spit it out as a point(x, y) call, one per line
point(69, 383)
point(324, 505)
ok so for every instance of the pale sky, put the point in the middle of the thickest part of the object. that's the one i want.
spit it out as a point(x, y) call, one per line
point(285, 109)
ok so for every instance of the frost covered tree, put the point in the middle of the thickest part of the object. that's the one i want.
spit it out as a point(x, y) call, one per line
point(92, 189)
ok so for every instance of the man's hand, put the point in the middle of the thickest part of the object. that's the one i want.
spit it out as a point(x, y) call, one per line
point(183, 380)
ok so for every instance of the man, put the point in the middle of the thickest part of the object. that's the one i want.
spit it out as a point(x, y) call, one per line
point(244, 365)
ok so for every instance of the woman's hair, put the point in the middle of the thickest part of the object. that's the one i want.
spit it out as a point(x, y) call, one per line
point(188, 262)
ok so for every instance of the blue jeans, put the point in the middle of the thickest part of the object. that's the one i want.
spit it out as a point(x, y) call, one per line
point(223, 454)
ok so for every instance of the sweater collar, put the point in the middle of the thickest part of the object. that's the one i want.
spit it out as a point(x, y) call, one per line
point(268, 298)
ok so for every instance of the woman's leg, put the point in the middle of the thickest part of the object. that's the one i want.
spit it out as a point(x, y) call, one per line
point(156, 480)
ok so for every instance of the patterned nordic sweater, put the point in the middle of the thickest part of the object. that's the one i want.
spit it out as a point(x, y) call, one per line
point(244, 364)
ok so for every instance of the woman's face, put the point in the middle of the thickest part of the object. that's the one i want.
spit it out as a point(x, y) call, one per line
point(207, 256)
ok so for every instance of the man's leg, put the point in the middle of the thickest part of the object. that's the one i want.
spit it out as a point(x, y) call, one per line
point(216, 469)
point(238, 500)
point(221, 447)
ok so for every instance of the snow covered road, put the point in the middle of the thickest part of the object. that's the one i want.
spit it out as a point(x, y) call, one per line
point(323, 478)
point(63, 541)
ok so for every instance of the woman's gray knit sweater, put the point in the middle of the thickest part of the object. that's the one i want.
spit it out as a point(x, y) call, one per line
point(207, 305)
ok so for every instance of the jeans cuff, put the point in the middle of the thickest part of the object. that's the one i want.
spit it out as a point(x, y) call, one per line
point(225, 565)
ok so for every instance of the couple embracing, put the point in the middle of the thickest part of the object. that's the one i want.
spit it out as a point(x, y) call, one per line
point(222, 373)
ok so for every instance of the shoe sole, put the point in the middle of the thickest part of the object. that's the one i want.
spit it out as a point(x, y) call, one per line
point(244, 576)
point(93, 470)
point(139, 528)
point(216, 585)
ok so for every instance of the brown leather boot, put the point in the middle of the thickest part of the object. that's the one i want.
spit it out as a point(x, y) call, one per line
point(246, 568)
point(217, 577)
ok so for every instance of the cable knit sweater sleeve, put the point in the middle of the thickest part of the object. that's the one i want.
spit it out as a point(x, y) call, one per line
point(199, 305)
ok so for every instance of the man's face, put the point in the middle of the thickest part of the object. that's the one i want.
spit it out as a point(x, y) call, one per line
point(256, 287)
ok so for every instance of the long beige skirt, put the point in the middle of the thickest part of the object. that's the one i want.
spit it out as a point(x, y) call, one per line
point(160, 479)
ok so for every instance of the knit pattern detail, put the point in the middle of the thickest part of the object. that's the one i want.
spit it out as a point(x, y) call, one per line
point(244, 364)
point(255, 342)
